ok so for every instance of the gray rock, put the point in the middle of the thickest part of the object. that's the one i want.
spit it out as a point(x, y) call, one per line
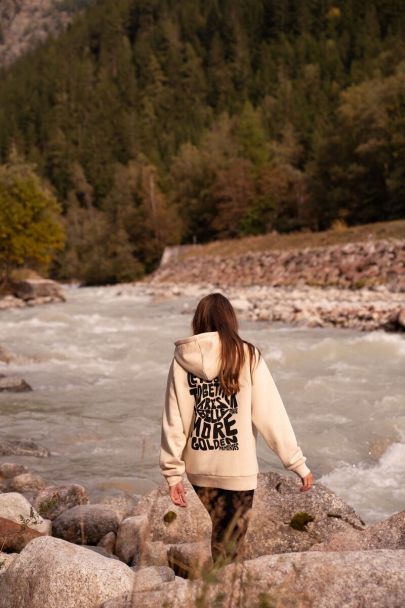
point(54, 573)
point(349, 579)
point(25, 482)
point(85, 524)
point(386, 534)
point(146, 579)
point(275, 522)
point(124, 506)
point(11, 469)
point(6, 559)
point(108, 542)
point(277, 501)
point(30, 289)
point(182, 525)
point(15, 507)
point(189, 559)
point(14, 384)
point(54, 500)
point(376, 272)
point(150, 577)
point(175, 594)
point(155, 553)
point(100, 551)
point(131, 536)
point(15, 536)
point(22, 447)
point(19, 522)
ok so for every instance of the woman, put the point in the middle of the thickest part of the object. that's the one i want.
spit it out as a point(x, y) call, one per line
point(219, 395)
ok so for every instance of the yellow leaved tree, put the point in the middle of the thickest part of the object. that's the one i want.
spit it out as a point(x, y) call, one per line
point(30, 226)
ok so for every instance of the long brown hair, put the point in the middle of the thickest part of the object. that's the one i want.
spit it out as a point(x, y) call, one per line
point(214, 312)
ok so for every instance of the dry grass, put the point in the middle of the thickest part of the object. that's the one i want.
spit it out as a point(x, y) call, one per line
point(338, 234)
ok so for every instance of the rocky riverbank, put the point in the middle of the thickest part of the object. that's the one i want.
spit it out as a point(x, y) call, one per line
point(307, 549)
point(30, 292)
point(349, 266)
point(305, 306)
point(356, 285)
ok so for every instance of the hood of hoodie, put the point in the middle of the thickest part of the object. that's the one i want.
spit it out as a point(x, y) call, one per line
point(200, 354)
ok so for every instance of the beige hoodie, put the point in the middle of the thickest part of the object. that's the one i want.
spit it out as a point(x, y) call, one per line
point(212, 437)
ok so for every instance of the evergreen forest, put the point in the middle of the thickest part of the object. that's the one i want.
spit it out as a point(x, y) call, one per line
point(159, 122)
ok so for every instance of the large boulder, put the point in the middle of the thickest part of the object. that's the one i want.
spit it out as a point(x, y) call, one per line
point(283, 519)
point(101, 551)
point(86, 524)
point(375, 579)
point(54, 500)
point(131, 536)
point(54, 573)
point(150, 577)
point(386, 534)
point(189, 559)
point(123, 505)
point(13, 536)
point(146, 579)
point(107, 542)
point(26, 482)
point(348, 579)
point(19, 522)
point(172, 594)
point(31, 289)
point(8, 470)
point(171, 524)
point(155, 553)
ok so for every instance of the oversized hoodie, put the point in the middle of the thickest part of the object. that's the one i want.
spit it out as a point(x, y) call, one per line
point(212, 437)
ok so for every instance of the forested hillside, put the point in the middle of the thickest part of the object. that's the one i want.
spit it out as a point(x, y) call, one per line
point(159, 122)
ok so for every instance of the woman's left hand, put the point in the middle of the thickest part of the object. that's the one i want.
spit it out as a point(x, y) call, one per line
point(178, 494)
point(307, 483)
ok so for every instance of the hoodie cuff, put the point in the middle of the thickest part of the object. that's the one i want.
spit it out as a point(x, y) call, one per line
point(302, 470)
point(172, 480)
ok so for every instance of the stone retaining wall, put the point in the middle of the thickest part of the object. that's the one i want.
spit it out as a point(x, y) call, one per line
point(353, 265)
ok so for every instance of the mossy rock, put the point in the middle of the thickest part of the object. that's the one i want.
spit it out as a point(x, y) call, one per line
point(300, 520)
point(169, 517)
point(46, 505)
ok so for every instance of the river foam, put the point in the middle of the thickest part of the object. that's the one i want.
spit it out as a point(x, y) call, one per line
point(98, 364)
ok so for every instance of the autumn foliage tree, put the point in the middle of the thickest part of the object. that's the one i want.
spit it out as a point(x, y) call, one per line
point(161, 122)
point(30, 223)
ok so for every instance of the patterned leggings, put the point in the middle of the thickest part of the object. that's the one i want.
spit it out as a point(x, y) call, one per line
point(229, 512)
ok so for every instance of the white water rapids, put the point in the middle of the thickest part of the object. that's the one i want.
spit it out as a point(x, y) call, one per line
point(98, 365)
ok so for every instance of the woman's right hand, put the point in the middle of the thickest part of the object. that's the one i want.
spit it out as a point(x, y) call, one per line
point(178, 494)
point(307, 482)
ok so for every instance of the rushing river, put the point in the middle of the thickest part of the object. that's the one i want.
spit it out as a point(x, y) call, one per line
point(98, 365)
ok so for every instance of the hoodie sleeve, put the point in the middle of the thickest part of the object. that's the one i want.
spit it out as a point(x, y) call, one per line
point(173, 437)
point(270, 418)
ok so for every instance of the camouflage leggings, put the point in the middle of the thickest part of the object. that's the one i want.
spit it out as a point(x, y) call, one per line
point(229, 511)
